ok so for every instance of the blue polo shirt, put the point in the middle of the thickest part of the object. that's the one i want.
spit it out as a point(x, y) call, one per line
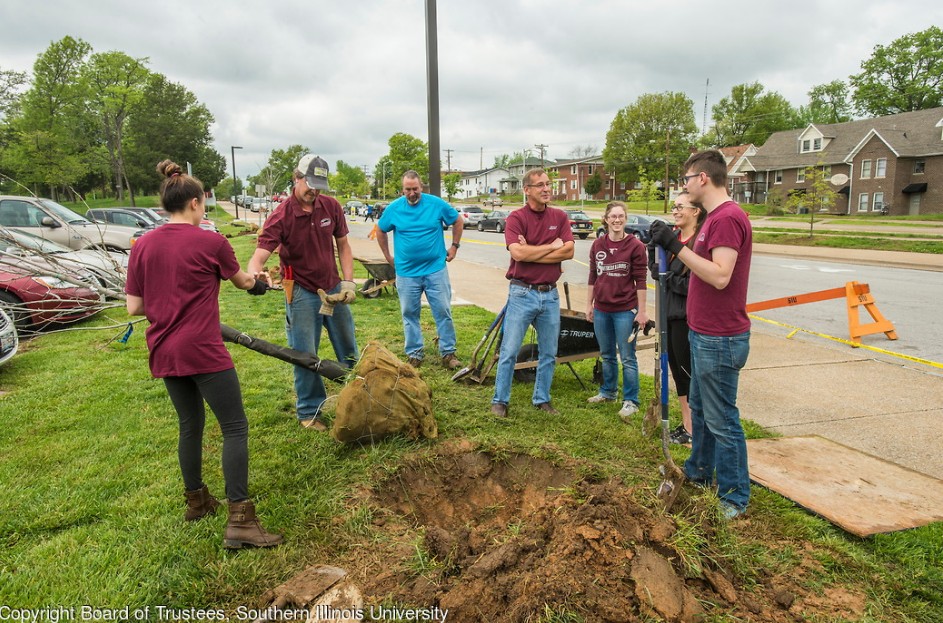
point(418, 243)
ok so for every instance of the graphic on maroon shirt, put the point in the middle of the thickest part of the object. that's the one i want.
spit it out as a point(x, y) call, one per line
point(617, 271)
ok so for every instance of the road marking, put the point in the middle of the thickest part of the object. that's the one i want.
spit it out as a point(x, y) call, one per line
point(875, 349)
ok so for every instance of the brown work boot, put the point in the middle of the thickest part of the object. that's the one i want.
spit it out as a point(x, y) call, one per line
point(450, 362)
point(200, 503)
point(414, 362)
point(499, 409)
point(244, 529)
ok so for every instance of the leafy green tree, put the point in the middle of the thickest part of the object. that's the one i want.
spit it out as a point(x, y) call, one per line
point(647, 191)
point(593, 183)
point(10, 84)
point(502, 161)
point(904, 76)
point(450, 182)
point(639, 134)
point(828, 103)
point(348, 180)
point(115, 87)
point(408, 152)
point(55, 142)
point(749, 115)
point(384, 183)
point(818, 195)
point(171, 123)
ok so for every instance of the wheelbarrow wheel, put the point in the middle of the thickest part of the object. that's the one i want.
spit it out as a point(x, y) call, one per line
point(528, 352)
point(367, 286)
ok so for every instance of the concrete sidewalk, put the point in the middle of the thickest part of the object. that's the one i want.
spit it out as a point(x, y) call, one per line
point(791, 386)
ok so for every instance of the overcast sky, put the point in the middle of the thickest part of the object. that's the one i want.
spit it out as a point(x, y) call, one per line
point(342, 77)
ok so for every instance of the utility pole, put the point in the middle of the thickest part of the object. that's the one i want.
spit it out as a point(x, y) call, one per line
point(448, 159)
point(481, 158)
point(542, 148)
point(235, 205)
point(432, 93)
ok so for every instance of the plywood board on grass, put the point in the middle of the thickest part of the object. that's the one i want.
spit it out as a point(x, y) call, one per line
point(858, 492)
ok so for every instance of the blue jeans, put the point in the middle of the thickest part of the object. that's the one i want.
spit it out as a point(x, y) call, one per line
point(528, 307)
point(303, 325)
point(438, 291)
point(718, 444)
point(613, 330)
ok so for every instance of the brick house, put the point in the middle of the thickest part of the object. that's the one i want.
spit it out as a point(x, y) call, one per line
point(893, 163)
point(572, 176)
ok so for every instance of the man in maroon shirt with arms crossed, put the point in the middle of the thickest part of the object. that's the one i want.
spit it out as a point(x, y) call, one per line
point(539, 239)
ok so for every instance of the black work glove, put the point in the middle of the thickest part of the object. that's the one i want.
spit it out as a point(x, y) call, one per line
point(664, 237)
point(258, 288)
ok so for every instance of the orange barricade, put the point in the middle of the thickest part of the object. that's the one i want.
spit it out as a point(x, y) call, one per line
point(855, 294)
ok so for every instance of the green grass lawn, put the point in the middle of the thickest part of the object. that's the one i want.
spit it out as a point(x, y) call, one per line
point(93, 505)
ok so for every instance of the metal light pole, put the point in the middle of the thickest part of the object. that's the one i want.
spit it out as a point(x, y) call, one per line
point(432, 96)
point(235, 204)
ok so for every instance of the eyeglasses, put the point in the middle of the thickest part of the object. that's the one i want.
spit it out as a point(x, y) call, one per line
point(685, 178)
point(677, 208)
point(541, 185)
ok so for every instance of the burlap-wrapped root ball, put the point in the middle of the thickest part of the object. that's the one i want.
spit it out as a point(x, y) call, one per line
point(386, 397)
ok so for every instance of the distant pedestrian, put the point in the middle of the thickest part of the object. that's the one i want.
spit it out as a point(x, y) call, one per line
point(173, 280)
point(539, 239)
point(615, 299)
point(369, 214)
point(719, 329)
point(419, 257)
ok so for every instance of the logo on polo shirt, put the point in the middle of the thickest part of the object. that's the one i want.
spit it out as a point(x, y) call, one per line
point(552, 227)
point(600, 256)
point(325, 222)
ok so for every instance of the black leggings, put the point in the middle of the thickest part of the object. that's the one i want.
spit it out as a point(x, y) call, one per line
point(679, 355)
point(221, 391)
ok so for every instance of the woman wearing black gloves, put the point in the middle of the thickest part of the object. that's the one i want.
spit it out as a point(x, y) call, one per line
point(688, 220)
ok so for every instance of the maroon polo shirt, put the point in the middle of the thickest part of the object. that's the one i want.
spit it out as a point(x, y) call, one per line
point(537, 228)
point(306, 240)
point(722, 313)
point(617, 271)
point(176, 270)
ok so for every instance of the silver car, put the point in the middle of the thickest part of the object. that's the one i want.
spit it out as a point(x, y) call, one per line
point(49, 220)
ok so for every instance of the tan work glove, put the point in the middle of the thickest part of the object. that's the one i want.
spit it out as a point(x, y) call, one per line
point(348, 292)
point(327, 303)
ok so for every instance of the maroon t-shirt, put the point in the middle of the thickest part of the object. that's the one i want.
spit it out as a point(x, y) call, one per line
point(722, 312)
point(537, 228)
point(307, 240)
point(176, 269)
point(617, 271)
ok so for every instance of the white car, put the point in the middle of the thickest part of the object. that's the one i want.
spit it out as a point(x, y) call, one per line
point(471, 214)
point(9, 341)
point(49, 220)
point(109, 268)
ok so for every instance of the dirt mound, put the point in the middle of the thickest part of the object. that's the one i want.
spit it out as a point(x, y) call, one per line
point(516, 538)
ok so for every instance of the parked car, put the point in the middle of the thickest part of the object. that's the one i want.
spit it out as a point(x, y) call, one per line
point(353, 208)
point(110, 268)
point(471, 214)
point(580, 223)
point(208, 225)
point(38, 296)
point(9, 340)
point(151, 214)
point(636, 225)
point(47, 219)
point(120, 216)
point(496, 220)
point(493, 201)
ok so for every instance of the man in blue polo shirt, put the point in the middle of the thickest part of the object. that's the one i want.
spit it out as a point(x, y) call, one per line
point(416, 220)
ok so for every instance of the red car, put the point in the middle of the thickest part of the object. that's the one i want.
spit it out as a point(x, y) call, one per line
point(36, 300)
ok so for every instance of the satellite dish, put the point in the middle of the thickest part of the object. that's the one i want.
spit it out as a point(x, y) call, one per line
point(838, 179)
